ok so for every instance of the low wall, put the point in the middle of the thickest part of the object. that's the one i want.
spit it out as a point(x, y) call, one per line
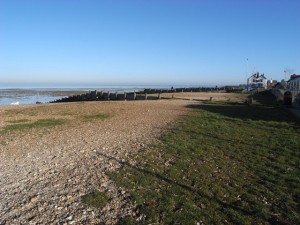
point(146, 94)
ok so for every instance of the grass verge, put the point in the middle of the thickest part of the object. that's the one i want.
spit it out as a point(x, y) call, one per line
point(222, 164)
point(96, 199)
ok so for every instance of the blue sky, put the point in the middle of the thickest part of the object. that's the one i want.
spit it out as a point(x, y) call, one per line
point(166, 42)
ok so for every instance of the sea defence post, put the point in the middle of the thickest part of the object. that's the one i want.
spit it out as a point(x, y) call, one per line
point(146, 94)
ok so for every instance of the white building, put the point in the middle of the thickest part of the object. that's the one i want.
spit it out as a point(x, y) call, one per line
point(257, 81)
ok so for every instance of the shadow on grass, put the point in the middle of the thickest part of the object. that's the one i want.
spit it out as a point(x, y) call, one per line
point(178, 184)
point(245, 112)
point(264, 98)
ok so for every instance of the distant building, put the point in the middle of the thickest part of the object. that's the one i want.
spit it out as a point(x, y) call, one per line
point(257, 81)
point(293, 85)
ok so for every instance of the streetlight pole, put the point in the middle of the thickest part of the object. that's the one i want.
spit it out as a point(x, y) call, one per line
point(247, 76)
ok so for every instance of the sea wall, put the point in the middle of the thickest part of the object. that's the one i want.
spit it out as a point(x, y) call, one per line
point(146, 94)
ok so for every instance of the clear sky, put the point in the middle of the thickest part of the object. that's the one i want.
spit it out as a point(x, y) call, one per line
point(167, 42)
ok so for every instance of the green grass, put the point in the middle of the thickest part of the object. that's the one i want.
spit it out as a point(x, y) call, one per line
point(18, 121)
point(221, 164)
point(99, 116)
point(96, 199)
point(37, 124)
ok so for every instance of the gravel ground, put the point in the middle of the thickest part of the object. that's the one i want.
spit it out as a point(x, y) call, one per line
point(44, 172)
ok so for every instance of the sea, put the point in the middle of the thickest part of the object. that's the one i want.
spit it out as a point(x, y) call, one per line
point(26, 94)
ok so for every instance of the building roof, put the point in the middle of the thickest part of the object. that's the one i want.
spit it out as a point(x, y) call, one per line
point(257, 75)
point(294, 77)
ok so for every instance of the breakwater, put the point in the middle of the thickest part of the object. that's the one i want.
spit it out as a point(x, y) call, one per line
point(146, 94)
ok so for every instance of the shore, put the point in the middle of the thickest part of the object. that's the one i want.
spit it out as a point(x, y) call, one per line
point(45, 171)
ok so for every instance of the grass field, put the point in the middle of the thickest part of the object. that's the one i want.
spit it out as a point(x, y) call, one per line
point(224, 163)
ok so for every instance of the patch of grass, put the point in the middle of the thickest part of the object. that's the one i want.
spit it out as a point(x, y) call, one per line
point(221, 164)
point(18, 121)
point(99, 116)
point(67, 114)
point(27, 111)
point(126, 220)
point(36, 124)
point(96, 199)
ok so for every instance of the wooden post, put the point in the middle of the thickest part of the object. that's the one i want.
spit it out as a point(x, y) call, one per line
point(159, 96)
point(146, 97)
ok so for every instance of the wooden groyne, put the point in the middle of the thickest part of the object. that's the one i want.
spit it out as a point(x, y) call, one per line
point(146, 94)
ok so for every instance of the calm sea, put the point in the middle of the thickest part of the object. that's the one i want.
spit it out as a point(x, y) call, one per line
point(31, 95)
